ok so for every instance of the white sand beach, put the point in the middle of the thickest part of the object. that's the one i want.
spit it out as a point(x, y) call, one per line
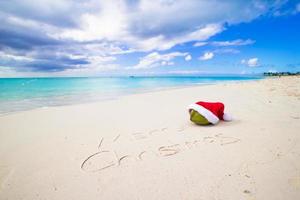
point(143, 146)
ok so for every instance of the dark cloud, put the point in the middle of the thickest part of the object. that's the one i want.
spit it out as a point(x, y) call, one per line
point(24, 40)
point(28, 48)
point(46, 66)
point(65, 59)
point(16, 34)
point(50, 65)
point(57, 13)
point(42, 62)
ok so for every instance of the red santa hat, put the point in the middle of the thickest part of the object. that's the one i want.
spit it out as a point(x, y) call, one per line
point(212, 111)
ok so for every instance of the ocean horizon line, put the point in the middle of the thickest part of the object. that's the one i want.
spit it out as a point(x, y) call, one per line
point(142, 76)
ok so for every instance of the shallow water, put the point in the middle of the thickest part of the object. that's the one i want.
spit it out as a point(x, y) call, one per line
point(18, 94)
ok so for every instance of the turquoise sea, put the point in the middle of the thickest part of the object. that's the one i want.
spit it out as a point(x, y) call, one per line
point(17, 94)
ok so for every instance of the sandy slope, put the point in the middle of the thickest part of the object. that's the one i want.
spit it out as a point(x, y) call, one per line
point(144, 147)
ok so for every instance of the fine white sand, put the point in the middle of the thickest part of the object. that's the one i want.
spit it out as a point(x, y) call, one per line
point(144, 147)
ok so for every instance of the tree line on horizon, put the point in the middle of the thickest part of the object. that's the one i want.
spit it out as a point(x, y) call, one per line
point(281, 73)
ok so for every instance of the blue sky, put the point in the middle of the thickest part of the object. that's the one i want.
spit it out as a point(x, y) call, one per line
point(142, 37)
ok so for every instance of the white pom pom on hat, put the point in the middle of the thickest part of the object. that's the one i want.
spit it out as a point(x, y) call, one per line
point(227, 117)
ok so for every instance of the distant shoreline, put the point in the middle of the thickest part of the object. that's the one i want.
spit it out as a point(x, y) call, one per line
point(281, 74)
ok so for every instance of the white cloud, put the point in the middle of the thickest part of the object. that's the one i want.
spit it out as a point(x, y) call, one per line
point(155, 60)
point(185, 72)
point(91, 69)
point(237, 42)
point(161, 42)
point(252, 62)
point(150, 25)
point(108, 23)
point(102, 48)
point(207, 56)
point(6, 71)
point(11, 57)
point(101, 59)
point(200, 44)
point(188, 58)
point(298, 7)
point(226, 51)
